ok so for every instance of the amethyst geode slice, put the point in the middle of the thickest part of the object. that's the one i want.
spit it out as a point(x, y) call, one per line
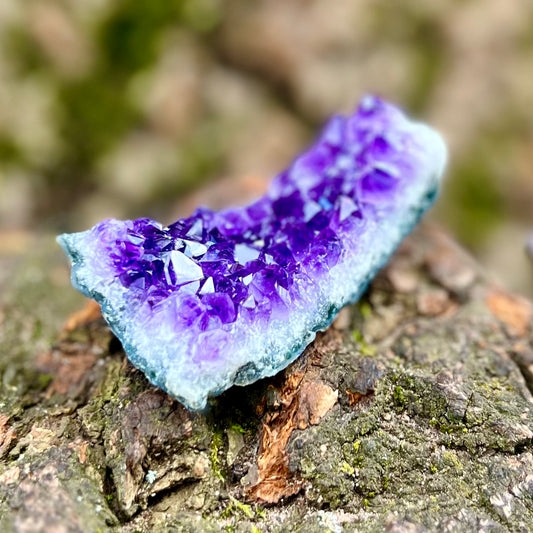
point(229, 297)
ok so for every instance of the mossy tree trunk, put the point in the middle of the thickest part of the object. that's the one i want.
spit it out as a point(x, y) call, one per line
point(413, 412)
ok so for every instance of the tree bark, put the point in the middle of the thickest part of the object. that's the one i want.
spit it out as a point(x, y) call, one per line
point(413, 413)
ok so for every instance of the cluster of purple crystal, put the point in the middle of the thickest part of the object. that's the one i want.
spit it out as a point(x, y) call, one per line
point(276, 267)
point(244, 261)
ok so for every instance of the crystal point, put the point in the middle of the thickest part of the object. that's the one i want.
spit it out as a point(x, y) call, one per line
point(227, 298)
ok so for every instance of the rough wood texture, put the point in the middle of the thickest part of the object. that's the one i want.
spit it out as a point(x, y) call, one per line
point(412, 413)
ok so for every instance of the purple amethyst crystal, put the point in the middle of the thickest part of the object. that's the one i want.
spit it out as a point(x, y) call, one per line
point(229, 297)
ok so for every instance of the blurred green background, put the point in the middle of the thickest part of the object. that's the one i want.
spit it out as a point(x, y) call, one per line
point(134, 108)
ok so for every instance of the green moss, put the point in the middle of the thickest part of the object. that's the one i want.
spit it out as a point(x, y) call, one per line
point(357, 336)
point(347, 469)
point(216, 444)
point(399, 397)
point(237, 428)
point(9, 150)
point(364, 348)
point(449, 458)
point(27, 57)
point(43, 380)
point(129, 37)
point(365, 309)
point(240, 509)
point(358, 458)
point(94, 116)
